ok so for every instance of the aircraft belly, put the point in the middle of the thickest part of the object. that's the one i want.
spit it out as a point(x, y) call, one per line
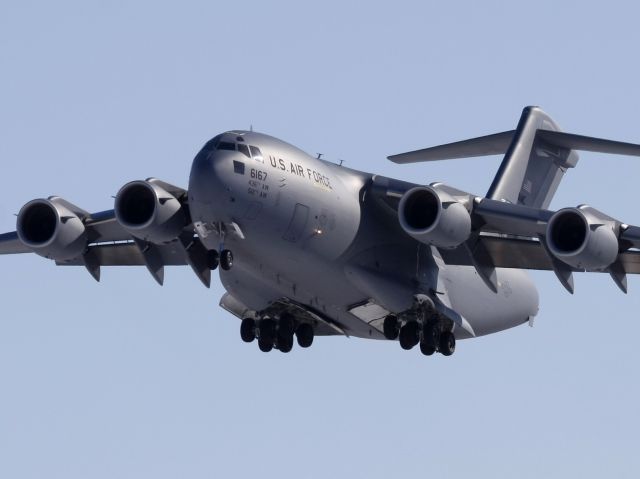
point(258, 279)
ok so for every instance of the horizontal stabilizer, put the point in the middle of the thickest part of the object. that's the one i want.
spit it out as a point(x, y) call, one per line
point(495, 144)
point(498, 144)
point(588, 143)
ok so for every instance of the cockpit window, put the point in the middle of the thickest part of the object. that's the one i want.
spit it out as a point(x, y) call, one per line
point(256, 153)
point(211, 144)
point(242, 148)
point(225, 145)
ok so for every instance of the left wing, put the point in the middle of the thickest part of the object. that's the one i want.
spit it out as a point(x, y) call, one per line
point(505, 235)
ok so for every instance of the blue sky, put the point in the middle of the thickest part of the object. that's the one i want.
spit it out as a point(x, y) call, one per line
point(127, 379)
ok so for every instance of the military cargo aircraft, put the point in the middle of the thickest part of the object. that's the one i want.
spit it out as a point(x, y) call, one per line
point(309, 248)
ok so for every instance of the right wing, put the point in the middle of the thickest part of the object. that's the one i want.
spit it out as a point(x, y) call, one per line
point(99, 239)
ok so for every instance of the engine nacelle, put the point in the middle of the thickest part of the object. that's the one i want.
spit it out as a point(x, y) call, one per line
point(583, 238)
point(149, 212)
point(434, 217)
point(51, 229)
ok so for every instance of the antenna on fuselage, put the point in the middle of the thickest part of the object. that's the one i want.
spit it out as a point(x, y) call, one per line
point(341, 161)
point(251, 127)
point(319, 157)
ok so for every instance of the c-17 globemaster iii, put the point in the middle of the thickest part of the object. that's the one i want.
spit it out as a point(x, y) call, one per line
point(309, 248)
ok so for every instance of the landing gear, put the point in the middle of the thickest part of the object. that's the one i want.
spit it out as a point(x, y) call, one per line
point(391, 327)
point(304, 335)
point(429, 340)
point(447, 343)
point(265, 346)
point(272, 333)
point(266, 334)
point(284, 337)
point(285, 344)
point(213, 259)
point(226, 259)
point(409, 335)
point(425, 324)
point(248, 330)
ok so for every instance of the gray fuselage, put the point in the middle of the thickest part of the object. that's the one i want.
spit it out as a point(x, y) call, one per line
point(315, 233)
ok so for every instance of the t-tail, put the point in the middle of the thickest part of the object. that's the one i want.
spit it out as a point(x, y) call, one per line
point(536, 157)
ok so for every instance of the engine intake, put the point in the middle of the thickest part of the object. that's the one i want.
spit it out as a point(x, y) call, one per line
point(434, 217)
point(51, 229)
point(149, 212)
point(583, 238)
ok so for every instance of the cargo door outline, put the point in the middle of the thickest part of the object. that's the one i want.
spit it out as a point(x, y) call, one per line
point(297, 224)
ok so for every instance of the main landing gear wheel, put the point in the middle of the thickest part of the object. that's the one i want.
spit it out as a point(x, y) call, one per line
point(286, 326)
point(304, 335)
point(391, 327)
point(248, 330)
point(213, 259)
point(226, 259)
point(429, 340)
point(447, 344)
point(266, 335)
point(409, 335)
point(285, 344)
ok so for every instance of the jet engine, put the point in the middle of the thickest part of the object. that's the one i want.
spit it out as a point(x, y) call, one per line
point(51, 229)
point(149, 212)
point(434, 217)
point(583, 238)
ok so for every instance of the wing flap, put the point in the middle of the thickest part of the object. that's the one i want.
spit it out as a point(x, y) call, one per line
point(129, 254)
point(525, 253)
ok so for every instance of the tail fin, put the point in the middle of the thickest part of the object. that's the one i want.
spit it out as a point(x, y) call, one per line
point(536, 156)
point(532, 167)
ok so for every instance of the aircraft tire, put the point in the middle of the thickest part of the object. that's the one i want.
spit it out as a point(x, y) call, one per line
point(226, 259)
point(391, 327)
point(426, 348)
point(304, 335)
point(265, 346)
point(447, 344)
point(267, 330)
point(409, 335)
point(286, 325)
point(285, 344)
point(248, 330)
point(213, 259)
point(430, 339)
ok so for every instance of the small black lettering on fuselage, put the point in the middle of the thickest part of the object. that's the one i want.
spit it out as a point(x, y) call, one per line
point(256, 185)
point(298, 170)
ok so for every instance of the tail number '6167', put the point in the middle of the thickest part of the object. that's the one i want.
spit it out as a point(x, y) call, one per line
point(258, 174)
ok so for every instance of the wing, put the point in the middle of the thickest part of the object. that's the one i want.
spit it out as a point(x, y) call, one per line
point(93, 240)
point(505, 235)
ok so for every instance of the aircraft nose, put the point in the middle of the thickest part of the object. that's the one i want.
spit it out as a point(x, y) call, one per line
point(207, 174)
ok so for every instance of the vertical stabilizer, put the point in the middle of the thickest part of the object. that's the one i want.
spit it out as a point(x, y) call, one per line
point(532, 167)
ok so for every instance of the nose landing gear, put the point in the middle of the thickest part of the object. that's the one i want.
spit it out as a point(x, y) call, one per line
point(226, 259)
